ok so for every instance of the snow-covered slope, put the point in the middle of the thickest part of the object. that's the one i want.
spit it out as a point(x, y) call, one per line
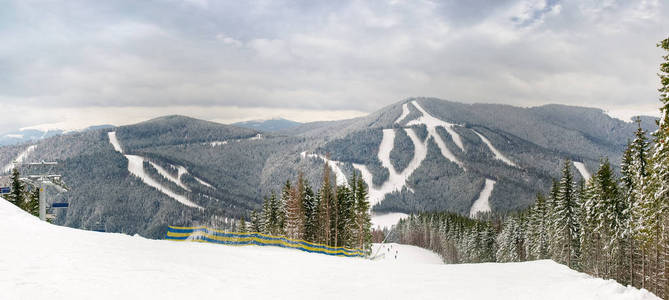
point(582, 169)
point(44, 261)
point(482, 204)
point(136, 167)
point(19, 158)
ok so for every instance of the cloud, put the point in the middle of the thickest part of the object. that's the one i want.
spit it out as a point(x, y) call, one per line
point(336, 55)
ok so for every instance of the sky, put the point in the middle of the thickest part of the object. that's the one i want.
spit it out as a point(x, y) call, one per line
point(72, 64)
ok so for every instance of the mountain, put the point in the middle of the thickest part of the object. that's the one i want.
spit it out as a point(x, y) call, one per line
point(420, 154)
point(274, 124)
point(31, 135)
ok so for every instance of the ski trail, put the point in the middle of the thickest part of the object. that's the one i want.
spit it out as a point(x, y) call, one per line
point(482, 204)
point(136, 167)
point(396, 181)
point(114, 141)
point(167, 175)
point(405, 113)
point(583, 170)
point(19, 158)
point(333, 164)
point(497, 153)
point(431, 123)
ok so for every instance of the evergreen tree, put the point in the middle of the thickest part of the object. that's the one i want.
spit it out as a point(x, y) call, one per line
point(242, 225)
point(310, 209)
point(325, 201)
point(294, 211)
point(255, 222)
point(17, 193)
point(32, 205)
point(567, 229)
point(363, 219)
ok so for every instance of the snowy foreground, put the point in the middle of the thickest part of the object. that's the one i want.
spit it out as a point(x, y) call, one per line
point(43, 261)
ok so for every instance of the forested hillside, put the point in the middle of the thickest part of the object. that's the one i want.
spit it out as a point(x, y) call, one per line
point(420, 154)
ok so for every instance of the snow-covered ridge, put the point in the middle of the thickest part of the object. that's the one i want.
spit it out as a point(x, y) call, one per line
point(482, 204)
point(583, 170)
point(117, 266)
point(497, 153)
point(19, 158)
point(136, 167)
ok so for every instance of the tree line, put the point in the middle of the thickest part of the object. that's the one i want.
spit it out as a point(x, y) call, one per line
point(334, 215)
point(25, 197)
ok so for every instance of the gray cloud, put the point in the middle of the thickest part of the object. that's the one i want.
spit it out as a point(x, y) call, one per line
point(326, 55)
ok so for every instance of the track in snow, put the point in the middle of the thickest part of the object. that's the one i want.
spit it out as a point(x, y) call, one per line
point(19, 158)
point(136, 167)
point(482, 204)
point(45, 261)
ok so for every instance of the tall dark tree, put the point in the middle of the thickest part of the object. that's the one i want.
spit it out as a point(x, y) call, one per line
point(17, 193)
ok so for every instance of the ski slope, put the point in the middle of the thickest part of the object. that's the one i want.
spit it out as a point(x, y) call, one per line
point(386, 220)
point(583, 170)
point(19, 158)
point(482, 204)
point(333, 164)
point(136, 167)
point(44, 261)
point(497, 153)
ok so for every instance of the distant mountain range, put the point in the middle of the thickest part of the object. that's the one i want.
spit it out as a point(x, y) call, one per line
point(420, 154)
point(270, 125)
point(31, 135)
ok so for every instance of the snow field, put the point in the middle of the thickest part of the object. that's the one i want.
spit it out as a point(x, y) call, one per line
point(45, 261)
point(482, 204)
point(405, 113)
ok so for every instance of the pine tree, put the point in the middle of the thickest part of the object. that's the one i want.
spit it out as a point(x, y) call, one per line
point(294, 213)
point(538, 229)
point(242, 225)
point(567, 227)
point(363, 219)
point(32, 205)
point(310, 209)
point(17, 193)
point(255, 222)
point(325, 200)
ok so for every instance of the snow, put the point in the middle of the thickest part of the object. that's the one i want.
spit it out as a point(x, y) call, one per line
point(136, 167)
point(43, 261)
point(404, 254)
point(405, 113)
point(334, 165)
point(497, 153)
point(431, 124)
point(582, 169)
point(114, 141)
point(386, 220)
point(167, 175)
point(14, 136)
point(219, 143)
point(482, 204)
point(19, 158)
point(396, 180)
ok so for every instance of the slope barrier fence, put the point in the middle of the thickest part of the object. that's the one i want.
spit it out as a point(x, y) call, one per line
point(208, 235)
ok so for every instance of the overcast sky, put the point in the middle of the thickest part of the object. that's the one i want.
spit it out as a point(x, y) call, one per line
point(77, 63)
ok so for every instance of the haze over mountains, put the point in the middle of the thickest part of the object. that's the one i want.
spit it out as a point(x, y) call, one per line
point(419, 154)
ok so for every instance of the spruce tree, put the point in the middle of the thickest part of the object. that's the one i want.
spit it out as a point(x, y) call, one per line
point(363, 219)
point(567, 227)
point(17, 193)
